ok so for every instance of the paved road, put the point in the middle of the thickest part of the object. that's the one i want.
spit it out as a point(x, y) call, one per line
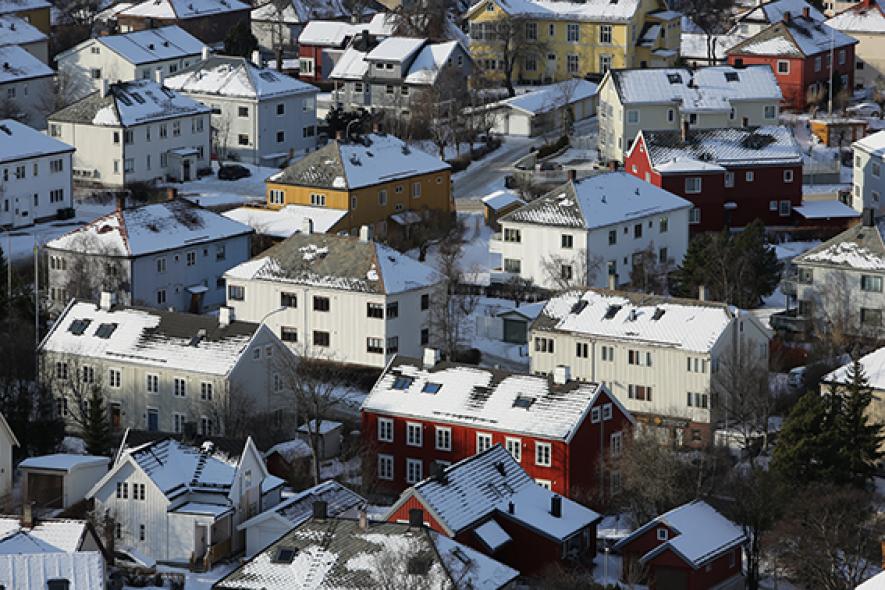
point(472, 184)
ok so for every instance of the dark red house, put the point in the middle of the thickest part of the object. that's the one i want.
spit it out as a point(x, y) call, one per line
point(490, 503)
point(692, 547)
point(799, 49)
point(731, 175)
point(566, 434)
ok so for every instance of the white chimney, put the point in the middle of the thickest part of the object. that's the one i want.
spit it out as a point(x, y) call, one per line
point(256, 58)
point(431, 357)
point(612, 281)
point(103, 87)
point(365, 233)
point(702, 293)
point(158, 76)
point(204, 53)
point(307, 226)
point(225, 315)
point(106, 301)
point(562, 375)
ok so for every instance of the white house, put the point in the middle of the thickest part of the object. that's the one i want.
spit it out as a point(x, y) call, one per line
point(340, 298)
point(138, 55)
point(36, 175)
point(587, 231)
point(60, 480)
point(659, 99)
point(137, 131)
point(865, 21)
point(868, 191)
point(27, 86)
point(181, 505)
point(258, 115)
point(265, 528)
point(663, 358)
point(169, 255)
point(546, 110)
point(7, 443)
point(17, 31)
point(277, 25)
point(163, 371)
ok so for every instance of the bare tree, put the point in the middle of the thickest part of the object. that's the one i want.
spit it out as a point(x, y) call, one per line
point(507, 42)
point(568, 272)
point(649, 272)
point(713, 17)
point(518, 288)
point(425, 18)
point(93, 267)
point(438, 110)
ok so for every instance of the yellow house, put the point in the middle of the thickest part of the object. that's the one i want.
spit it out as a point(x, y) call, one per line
point(555, 41)
point(35, 12)
point(374, 180)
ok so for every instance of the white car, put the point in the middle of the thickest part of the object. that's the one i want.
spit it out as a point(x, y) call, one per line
point(865, 109)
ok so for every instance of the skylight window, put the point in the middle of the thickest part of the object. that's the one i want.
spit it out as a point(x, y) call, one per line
point(77, 327)
point(268, 76)
point(731, 77)
point(612, 311)
point(523, 401)
point(659, 313)
point(285, 555)
point(105, 330)
point(674, 78)
point(402, 383)
point(167, 92)
point(137, 98)
point(431, 387)
point(124, 99)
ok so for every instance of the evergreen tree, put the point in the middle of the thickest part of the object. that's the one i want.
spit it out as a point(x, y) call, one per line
point(859, 438)
point(96, 428)
point(804, 452)
point(240, 41)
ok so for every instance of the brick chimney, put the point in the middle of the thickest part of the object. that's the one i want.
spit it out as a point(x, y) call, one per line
point(806, 12)
point(685, 128)
point(121, 201)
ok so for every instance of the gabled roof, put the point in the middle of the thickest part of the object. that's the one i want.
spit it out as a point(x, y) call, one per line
point(859, 248)
point(773, 11)
point(876, 582)
point(864, 17)
point(686, 324)
point(236, 77)
point(183, 9)
point(374, 159)
point(352, 65)
point(4, 425)
point(396, 49)
point(424, 60)
point(873, 366)
point(17, 65)
point(798, 37)
point(129, 103)
point(325, 33)
point(18, 31)
point(475, 489)
point(149, 45)
point(336, 553)
point(63, 462)
point(149, 229)
point(499, 199)
point(772, 145)
point(305, 12)
point(14, 6)
point(552, 97)
point(337, 262)
point(699, 534)
point(873, 144)
point(151, 337)
point(597, 201)
point(18, 142)
point(287, 220)
point(590, 11)
point(430, 61)
point(712, 88)
point(83, 570)
point(483, 398)
point(46, 536)
point(299, 508)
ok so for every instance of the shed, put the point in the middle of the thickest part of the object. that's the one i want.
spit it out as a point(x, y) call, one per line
point(60, 480)
point(542, 111)
point(498, 204)
point(838, 131)
point(330, 437)
point(515, 322)
point(288, 457)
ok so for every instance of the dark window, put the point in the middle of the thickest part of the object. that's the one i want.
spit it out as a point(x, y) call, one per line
point(236, 293)
point(425, 301)
point(289, 299)
point(425, 336)
point(320, 338)
point(320, 303)
point(58, 585)
point(288, 334)
point(374, 310)
point(392, 310)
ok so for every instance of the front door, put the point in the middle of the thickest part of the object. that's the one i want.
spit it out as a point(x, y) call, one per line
point(200, 535)
point(186, 169)
point(153, 420)
point(116, 416)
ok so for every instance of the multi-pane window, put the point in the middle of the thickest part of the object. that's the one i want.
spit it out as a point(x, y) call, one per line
point(236, 292)
point(543, 344)
point(693, 184)
point(374, 310)
point(612, 237)
point(393, 310)
point(512, 235)
point(385, 467)
point(318, 199)
point(514, 447)
point(178, 423)
point(321, 303)
point(696, 365)
point(443, 438)
point(663, 224)
point(582, 350)
point(615, 444)
point(636, 357)
point(608, 353)
point(277, 196)
point(114, 378)
point(385, 429)
point(88, 375)
point(573, 32)
point(375, 345)
point(138, 491)
point(698, 400)
point(483, 441)
point(288, 299)
point(567, 241)
point(512, 265)
point(531, 31)
point(871, 283)
point(871, 317)
point(414, 434)
point(639, 392)
point(605, 34)
point(179, 387)
point(414, 470)
point(206, 391)
point(320, 338)
point(543, 454)
point(153, 383)
point(122, 490)
point(288, 334)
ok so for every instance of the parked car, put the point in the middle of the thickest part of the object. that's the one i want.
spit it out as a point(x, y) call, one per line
point(233, 172)
point(796, 379)
point(865, 109)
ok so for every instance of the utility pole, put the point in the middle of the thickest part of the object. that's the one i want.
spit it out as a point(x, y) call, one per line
point(832, 62)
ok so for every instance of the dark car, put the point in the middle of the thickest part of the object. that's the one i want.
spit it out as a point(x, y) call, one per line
point(233, 172)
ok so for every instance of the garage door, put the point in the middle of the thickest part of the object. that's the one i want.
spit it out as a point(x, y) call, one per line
point(515, 331)
point(669, 578)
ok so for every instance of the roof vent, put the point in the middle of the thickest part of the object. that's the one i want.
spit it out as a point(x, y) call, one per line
point(579, 306)
point(5, 130)
point(5, 65)
point(151, 46)
point(659, 313)
point(500, 467)
point(285, 555)
point(633, 315)
point(406, 150)
point(355, 160)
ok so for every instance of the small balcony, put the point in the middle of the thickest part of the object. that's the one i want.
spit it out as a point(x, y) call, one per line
point(790, 321)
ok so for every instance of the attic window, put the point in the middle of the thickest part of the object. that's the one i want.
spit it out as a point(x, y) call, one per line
point(674, 78)
point(167, 92)
point(612, 311)
point(579, 306)
point(659, 313)
point(105, 330)
point(285, 555)
point(402, 383)
point(431, 387)
point(523, 401)
point(77, 327)
point(731, 77)
point(663, 534)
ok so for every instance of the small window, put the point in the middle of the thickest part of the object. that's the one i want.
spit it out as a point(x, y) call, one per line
point(543, 454)
point(788, 176)
point(567, 241)
point(320, 338)
point(693, 185)
point(321, 303)
point(483, 442)
point(385, 429)
point(663, 534)
point(783, 66)
point(242, 111)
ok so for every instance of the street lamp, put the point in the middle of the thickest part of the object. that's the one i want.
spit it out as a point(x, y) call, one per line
point(605, 551)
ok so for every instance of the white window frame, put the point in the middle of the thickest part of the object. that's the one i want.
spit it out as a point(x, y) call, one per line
point(447, 438)
point(483, 436)
point(543, 454)
point(115, 378)
point(785, 63)
point(788, 176)
point(385, 430)
point(417, 465)
point(152, 378)
point(514, 447)
point(693, 185)
point(385, 461)
point(414, 434)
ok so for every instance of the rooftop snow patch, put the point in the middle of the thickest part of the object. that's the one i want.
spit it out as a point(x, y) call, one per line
point(873, 144)
point(333, 33)
point(830, 209)
point(306, 12)
point(340, 500)
point(552, 97)
point(236, 77)
point(873, 366)
point(728, 147)
point(860, 19)
point(183, 9)
point(175, 468)
point(772, 11)
point(83, 570)
point(800, 37)
point(19, 142)
point(397, 49)
point(590, 10)
point(859, 247)
point(287, 221)
point(62, 462)
point(17, 65)
point(151, 45)
point(18, 31)
point(46, 536)
point(14, 6)
point(502, 198)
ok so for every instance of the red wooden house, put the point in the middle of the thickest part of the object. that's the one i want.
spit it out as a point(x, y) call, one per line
point(799, 49)
point(490, 503)
point(567, 435)
point(692, 547)
point(731, 175)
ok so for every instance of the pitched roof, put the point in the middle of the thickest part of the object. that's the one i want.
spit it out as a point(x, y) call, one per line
point(46, 536)
point(597, 201)
point(83, 570)
point(351, 65)
point(591, 10)
point(151, 337)
point(483, 398)
point(396, 49)
point(873, 366)
point(336, 553)
point(17, 65)
point(18, 31)
point(299, 508)
point(183, 9)
point(876, 582)
point(13, 6)
point(129, 103)
point(860, 247)
point(873, 144)
point(773, 11)
point(552, 97)
point(335, 33)
point(62, 461)
point(712, 88)
point(151, 45)
point(474, 489)
point(772, 145)
point(800, 37)
point(296, 12)
point(149, 229)
point(236, 77)
point(502, 198)
point(18, 141)
point(686, 324)
point(863, 17)
point(286, 221)
point(337, 262)
point(375, 159)
point(430, 61)
point(700, 534)
point(425, 60)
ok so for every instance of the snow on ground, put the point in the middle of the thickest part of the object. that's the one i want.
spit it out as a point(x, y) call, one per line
point(194, 581)
point(577, 158)
point(425, 145)
point(496, 352)
point(349, 471)
point(209, 191)
point(475, 254)
point(608, 570)
point(789, 250)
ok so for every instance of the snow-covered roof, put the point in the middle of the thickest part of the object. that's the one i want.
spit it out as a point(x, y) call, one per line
point(172, 340)
point(183, 9)
point(482, 486)
point(46, 536)
point(336, 553)
point(83, 570)
point(483, 398)
point(289, 220)
point(398, 49)
point(352, 65)
point(203, 509)
point(499, 199)
point(340, 500)
point(236, 77)
point(772, 12)
point(14, 6)
point(130, 103)
point(343, 165)
point(860, 247)
point(326, 426)
point(829, 209)
point(19, 142)
point(698, 534)
point(62, 462)
point(873, 144)
point(18, 31)
point(728, 147)
point(177, 468)
point(873, 366)
point(863, 17)
point(685, 324)
point(877, 582)
point(430, 61)
point(597, 201)
point(712, 88)
point(290, 450)
point(591, 10)
point(694, 45)
point(17, 65)
point(150, 45)
point(337, 262)
point(149, 229)
point(297, 12)
point(424, 60)
point(328, 33)
point(798, 37)
point(552, 97)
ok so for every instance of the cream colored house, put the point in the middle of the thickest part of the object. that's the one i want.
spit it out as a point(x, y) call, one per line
point(661, 99)
point(663, 358)
point(7, 442)
point(865, 21)
point(868, 191)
